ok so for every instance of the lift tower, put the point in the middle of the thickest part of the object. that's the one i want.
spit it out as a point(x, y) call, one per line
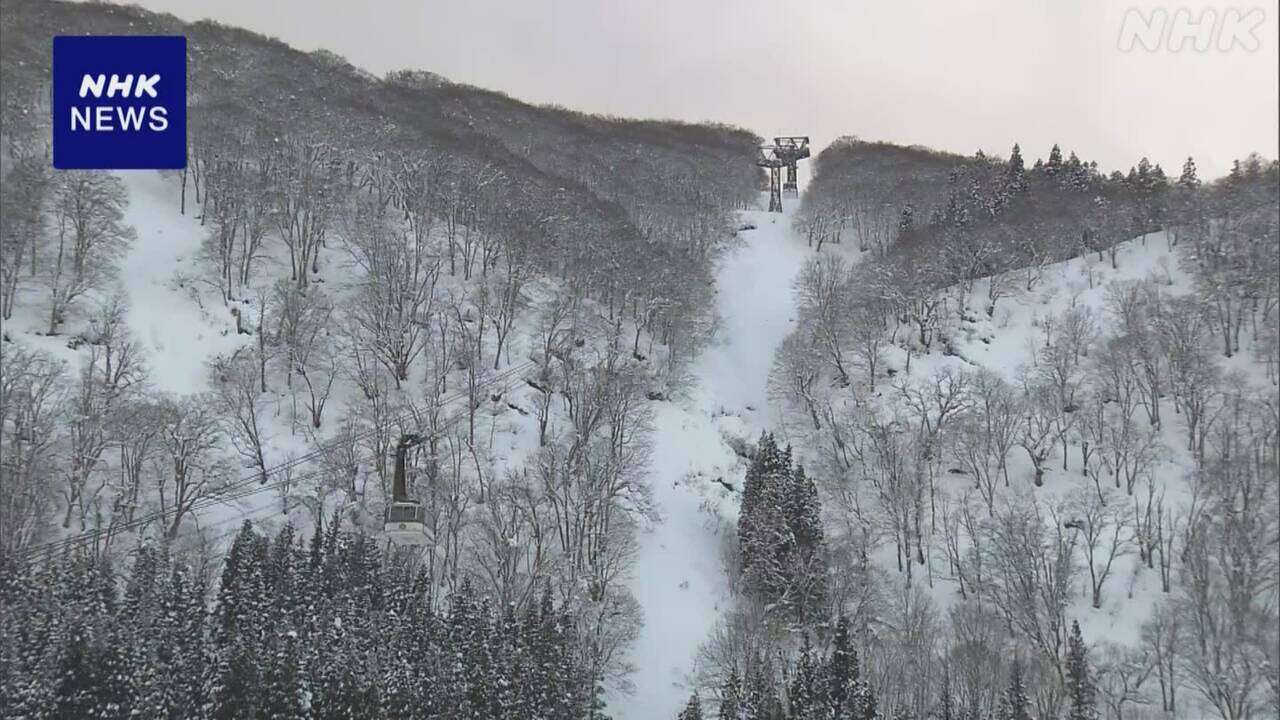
point(792, 149)
point(784, 152)
point(768, 159)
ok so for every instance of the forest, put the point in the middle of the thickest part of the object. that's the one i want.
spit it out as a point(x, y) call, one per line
point(321, 629)
point(1022, 462)
point(376, 257)
point(1027, 395)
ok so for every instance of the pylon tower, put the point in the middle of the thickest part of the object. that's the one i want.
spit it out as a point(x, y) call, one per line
point(774, 165)
point(792, 149)
point(785, 152)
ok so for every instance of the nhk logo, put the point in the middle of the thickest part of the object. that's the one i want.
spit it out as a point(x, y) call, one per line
point(119, 102)
point(101, 118)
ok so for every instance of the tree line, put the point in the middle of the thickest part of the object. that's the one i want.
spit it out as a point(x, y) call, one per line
point(762, 662)
point(325, 627)
point(943, 474)
point(393, 257)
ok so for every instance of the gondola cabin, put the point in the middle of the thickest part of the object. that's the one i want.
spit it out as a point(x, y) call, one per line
point(405, 520)
point(405, 523)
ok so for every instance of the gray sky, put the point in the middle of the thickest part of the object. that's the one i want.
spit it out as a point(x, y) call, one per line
point(953, 75)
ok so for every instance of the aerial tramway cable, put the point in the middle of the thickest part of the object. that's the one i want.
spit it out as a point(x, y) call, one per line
point(237, 490)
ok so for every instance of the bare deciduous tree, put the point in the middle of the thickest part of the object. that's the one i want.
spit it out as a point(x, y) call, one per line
point(189, 466)
point(393, 303)
point(24, 200)
point(825, 302)
point(1038, 426)
point(796, 372)
point(305, 185)
point(1122, 673)
point(32, 396)
point(1033, 571)
point(241, 402)
point(112, 372)
point(1229, 565)
point(1103, 527)
point(88, 222)
point(1160, 639)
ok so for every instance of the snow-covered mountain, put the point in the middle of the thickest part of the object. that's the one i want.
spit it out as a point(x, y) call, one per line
point(947, 437)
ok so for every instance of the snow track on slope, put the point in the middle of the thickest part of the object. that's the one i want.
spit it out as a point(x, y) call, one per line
point(678, 578)
point(177, 335)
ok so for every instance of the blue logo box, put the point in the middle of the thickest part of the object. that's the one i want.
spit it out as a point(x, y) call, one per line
point(119, 102)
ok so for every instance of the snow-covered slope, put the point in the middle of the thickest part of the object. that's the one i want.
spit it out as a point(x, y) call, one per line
point(1005, 341)
point(178, 335)
point(164, 315)
point(678, 578)
point(181, 324)
point(1008, 343)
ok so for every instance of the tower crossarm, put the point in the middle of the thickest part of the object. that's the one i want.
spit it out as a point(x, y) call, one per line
point(791, 148)
point(769, 157)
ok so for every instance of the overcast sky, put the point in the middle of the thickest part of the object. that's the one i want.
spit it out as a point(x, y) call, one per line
point(953, 75)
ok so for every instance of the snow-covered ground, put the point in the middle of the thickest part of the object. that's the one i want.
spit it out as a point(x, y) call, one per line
point(163, 309)
point(678, 578)
point(177, 335)
point(1007, 344)
point(179, 323)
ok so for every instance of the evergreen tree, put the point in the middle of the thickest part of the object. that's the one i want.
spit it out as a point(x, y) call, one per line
point(842, 667)
point(1081, 177)
point(804, 513)
point(808, 566)
point(240, 621)
point(1016, 177)
point(545, 664)
point(863, 705)
point(780, 534)
point(26, 631)
point(1080, 687)
point(1189, 179)
point(283, 680)
point(949, 214)
point(731, 698)
point(763, 536)
point(1236, 175)
point(90, 679)
point(187, 597)
point(760, 699)
point(141, 636)
point(803, 697)
point(75, 691)
point(235, 569)
point(754, 496)
point(978, 198)
point(1014, 705)
point(1158, 180)
point(1054, 163)
point(692, 710)
point(315, 549)
point(1143, 174)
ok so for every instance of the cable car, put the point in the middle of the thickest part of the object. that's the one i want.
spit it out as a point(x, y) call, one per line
point(405, 520)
